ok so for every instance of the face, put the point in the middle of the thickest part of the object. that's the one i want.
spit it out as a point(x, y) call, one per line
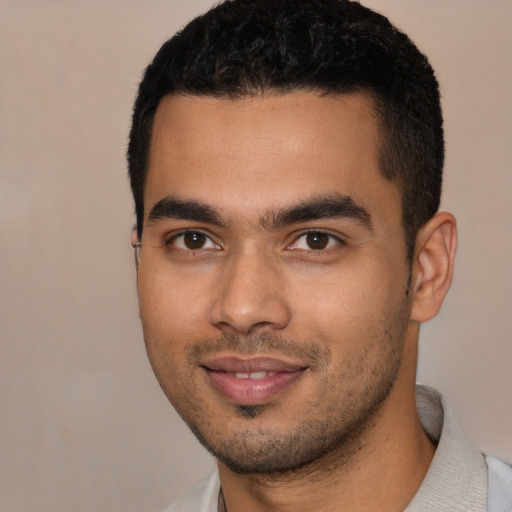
point(273, 280)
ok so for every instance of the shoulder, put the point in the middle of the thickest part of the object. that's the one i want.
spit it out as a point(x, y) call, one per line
point(500, 485)
point(200, 498)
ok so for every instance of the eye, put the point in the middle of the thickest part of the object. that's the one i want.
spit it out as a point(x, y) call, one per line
point(192, 241)
point(316, 241)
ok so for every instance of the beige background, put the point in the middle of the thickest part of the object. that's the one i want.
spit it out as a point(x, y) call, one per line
point(83, 424)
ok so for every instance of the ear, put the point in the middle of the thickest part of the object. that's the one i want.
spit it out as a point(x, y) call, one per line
point(134, 239)
point(436, 244)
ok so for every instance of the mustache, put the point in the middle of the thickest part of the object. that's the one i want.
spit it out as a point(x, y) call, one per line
point(264, 343)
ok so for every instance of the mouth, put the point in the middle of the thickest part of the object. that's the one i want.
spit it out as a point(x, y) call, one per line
point(252, 381)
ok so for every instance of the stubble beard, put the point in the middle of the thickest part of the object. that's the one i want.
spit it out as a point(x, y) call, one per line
point(320, 441)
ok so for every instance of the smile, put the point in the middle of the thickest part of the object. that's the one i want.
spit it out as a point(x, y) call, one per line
point(253, 381)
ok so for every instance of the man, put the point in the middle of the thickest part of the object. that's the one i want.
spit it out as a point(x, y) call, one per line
point(286, 163)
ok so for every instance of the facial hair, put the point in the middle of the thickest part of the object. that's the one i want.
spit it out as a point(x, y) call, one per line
point(328, 433)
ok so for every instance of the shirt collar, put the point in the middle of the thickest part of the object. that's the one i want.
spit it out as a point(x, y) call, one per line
point(457, 477)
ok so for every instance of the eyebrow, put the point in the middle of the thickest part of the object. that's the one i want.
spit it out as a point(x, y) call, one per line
point(316, 208)
point(334, 206)
point(173, 208)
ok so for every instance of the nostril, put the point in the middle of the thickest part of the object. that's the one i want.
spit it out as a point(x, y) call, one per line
point(268, 315)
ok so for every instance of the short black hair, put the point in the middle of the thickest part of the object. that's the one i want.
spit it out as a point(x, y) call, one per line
point(243, 48)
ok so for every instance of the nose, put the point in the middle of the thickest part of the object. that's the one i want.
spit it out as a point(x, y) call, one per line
point(251, 296)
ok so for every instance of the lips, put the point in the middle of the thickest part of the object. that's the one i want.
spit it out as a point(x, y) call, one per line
point(251, 381)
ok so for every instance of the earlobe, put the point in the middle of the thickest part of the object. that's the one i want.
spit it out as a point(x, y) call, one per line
point(436, 245)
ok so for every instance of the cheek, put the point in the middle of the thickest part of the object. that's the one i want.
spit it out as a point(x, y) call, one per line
point(333, 296)
point(172, 311)
point(348, 304)
point(169, 316)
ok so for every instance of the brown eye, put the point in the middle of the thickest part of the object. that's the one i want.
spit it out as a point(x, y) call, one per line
point(194, 241)
point(317, 241)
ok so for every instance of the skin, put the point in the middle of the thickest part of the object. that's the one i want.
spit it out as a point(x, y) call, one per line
point(342, 305)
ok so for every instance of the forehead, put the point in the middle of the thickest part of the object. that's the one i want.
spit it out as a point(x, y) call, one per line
point(264, 151)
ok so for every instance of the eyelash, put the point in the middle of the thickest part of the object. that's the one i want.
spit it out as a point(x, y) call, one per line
point(332, 241)
point(172, 241)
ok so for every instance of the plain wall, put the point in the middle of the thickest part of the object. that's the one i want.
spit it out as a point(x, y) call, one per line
point(83, 423)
